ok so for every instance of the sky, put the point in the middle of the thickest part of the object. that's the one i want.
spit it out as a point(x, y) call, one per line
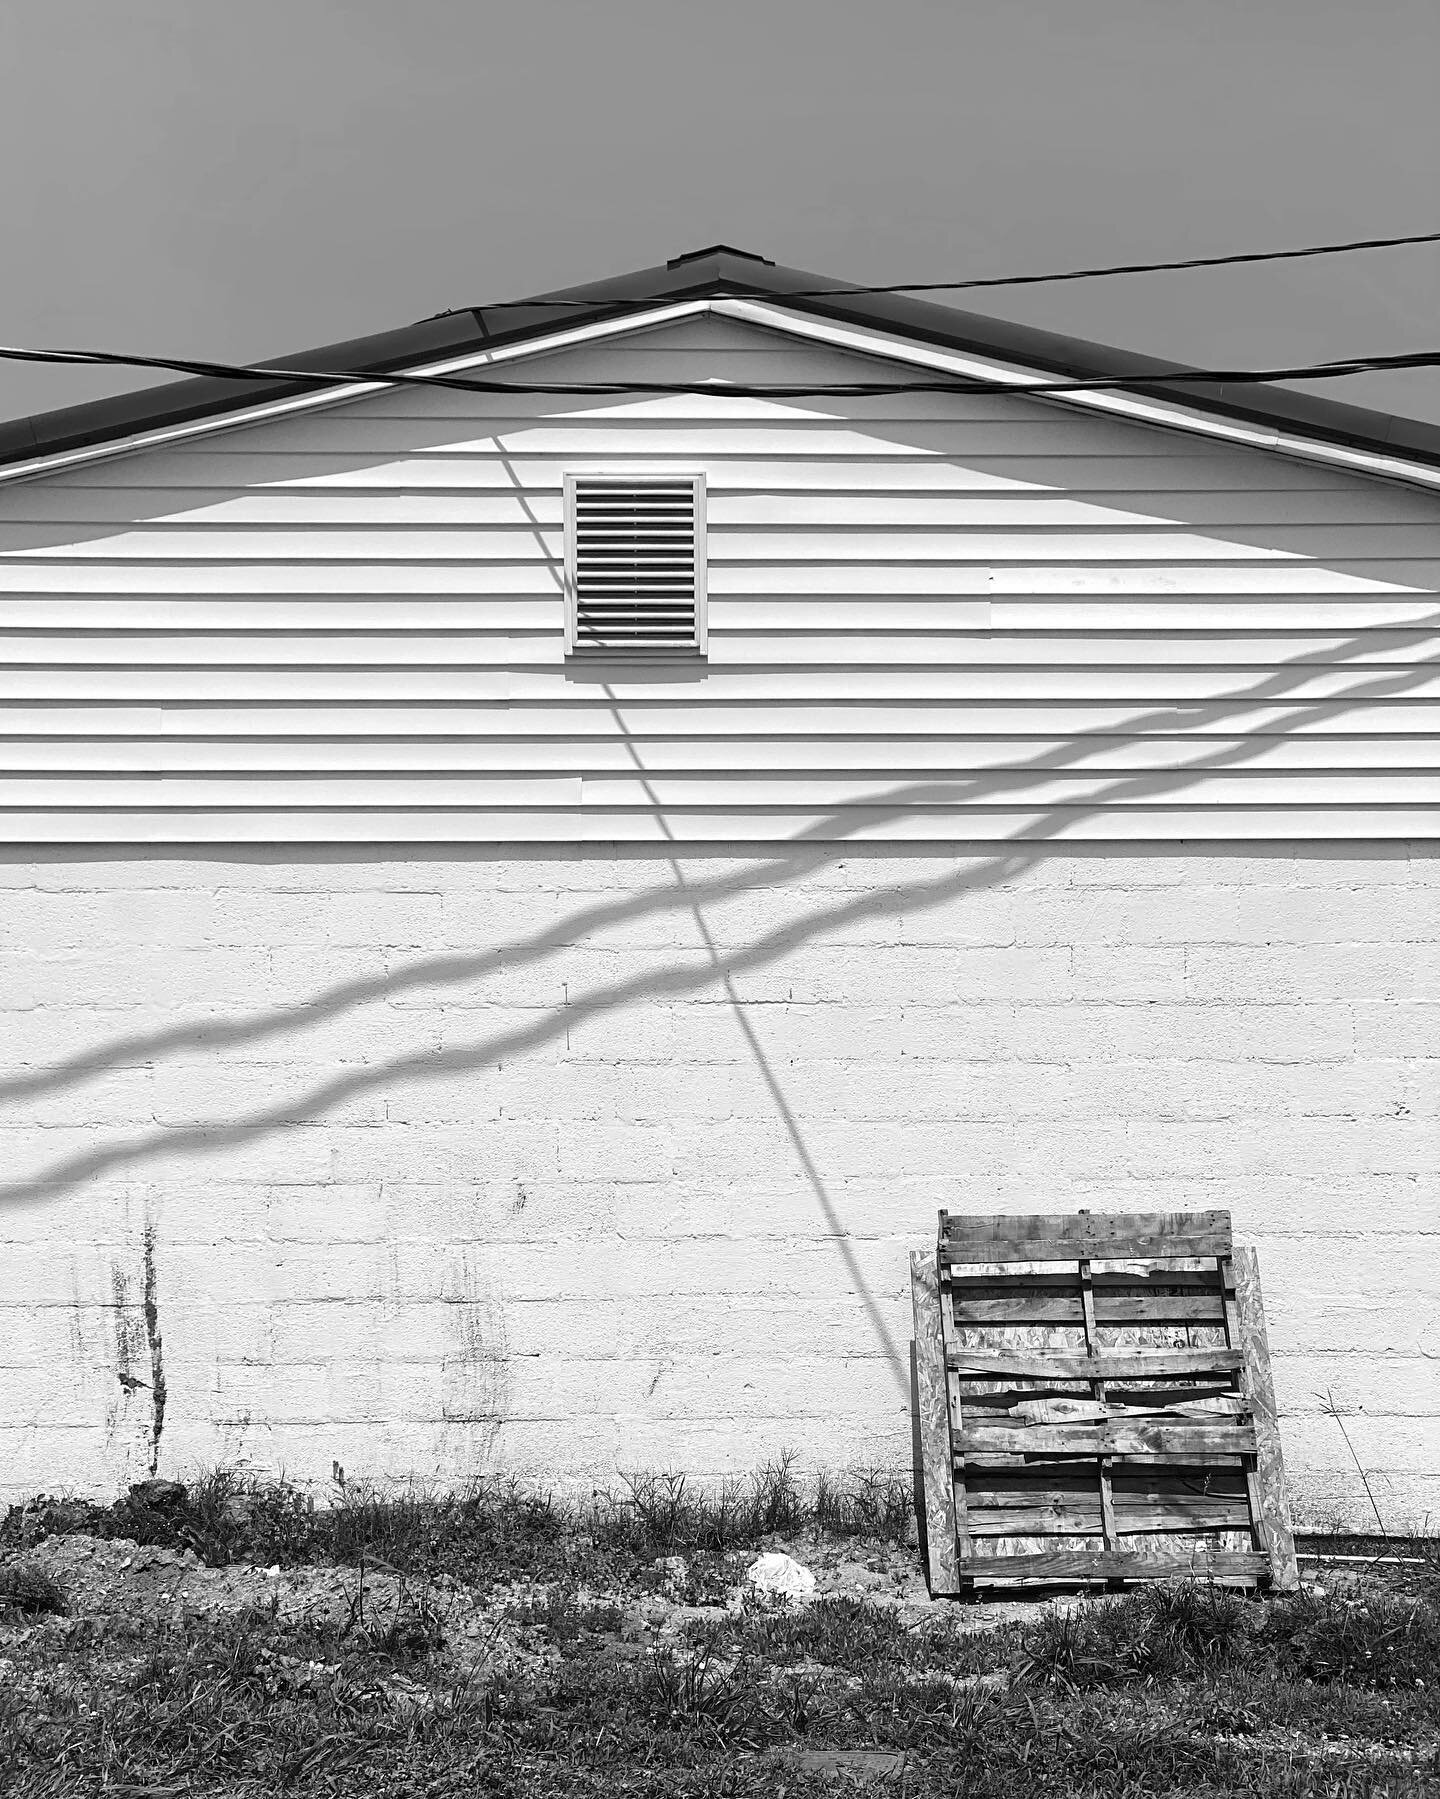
point(244, 179)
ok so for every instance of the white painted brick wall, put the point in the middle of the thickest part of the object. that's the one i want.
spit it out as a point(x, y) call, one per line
point(470, 1161)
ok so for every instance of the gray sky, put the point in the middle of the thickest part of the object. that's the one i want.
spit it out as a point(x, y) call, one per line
point(259, 176)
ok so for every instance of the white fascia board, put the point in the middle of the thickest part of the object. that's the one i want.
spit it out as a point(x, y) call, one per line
point(865, 340)
point(1173, 414)
point(352, 390)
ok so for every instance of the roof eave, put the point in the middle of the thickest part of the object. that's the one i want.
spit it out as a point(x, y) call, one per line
point(719, 272)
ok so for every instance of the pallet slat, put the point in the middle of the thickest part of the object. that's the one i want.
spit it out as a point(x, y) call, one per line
point(1082, 1437)
point(1069, 1249)
point(1079, 1519)
point(933, 1414)
point(1120, 1231)
point(1274, 1520)
point(1142, 1364)
point(1156, 1309)
point(1060, 1566)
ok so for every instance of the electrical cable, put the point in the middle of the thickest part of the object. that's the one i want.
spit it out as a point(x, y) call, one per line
point(1191, 376)
point(1093, 273)
point(1138, 378)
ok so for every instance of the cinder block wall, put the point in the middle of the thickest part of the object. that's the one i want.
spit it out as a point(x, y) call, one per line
point(578, 1162)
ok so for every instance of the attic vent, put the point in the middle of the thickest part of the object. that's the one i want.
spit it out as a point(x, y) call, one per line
point(635, 564)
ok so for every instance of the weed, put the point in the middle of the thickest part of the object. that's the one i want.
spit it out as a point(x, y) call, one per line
point(837, 1632)
point(1332, 1410)
point(927, 1712)
point(1158, 1631)
point(24, 1588)
point(697, 1689)
point(409, 1631)
point(566, 1616)
point(661, 1514)
point(865, 1503)
point(1371, 1639)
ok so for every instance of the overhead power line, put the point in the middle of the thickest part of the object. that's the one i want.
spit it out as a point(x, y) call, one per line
point(1136, 378)
point(1093, 273)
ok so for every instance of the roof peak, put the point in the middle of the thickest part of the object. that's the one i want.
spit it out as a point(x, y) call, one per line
point(676, 262)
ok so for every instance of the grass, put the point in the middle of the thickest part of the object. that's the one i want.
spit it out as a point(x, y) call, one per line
point(1181, 1690)
point(226, 1517)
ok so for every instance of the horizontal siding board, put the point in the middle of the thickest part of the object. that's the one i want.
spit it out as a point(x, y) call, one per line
point(374, 825)
point(1160, 824)
point(820, 613)
point(513, 542)
point(852, 499)
point(359, 432)
point(342, 579)
point(933, 618)
point(859, 652)
point(1160, 687)
point(499, 612)
point(218, 467)
point(731, 792)
point(1361, 612)
point(592, 751)
point(579, 718)
point(24, 576)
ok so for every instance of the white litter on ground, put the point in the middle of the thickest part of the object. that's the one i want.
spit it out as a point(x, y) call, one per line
point(782, 1577)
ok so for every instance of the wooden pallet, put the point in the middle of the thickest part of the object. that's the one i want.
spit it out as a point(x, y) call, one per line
point(1094, 1404)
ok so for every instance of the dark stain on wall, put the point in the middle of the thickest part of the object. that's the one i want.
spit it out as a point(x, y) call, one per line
point(152, 1333)
point(128, 1344)
point(475, 1370)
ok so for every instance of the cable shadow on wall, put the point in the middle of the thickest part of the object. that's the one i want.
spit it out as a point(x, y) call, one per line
point(832, 837)
point(806, 852)
point(813, 850)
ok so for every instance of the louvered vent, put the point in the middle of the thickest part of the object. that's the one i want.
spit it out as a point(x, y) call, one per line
point(636, 564)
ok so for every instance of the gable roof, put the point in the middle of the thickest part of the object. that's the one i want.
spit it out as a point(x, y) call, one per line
point(718, 272)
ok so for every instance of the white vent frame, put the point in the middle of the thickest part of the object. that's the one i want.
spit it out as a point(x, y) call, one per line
point(636, 477)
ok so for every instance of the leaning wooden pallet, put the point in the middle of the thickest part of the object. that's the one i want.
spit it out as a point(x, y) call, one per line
point(1094, 1404)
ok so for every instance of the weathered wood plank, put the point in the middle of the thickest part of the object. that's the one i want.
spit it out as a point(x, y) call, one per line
point(1158, 1437)
point(1058, 1248)
point(1061, 1566)
point(1067, 1408)
point(1133, 1485)
point(1107, 1365)
point(1151, 1308)
point(1017, 1462)
point(1225, 1269)
point(1274, 1518)
point(1116, 1230)
point(1204, 1403)
point(1138, 1515)
point(1097, 1387)
point(1073, 1515)
point(957, 1416)
point(933, 1406)
point(1039, 1521)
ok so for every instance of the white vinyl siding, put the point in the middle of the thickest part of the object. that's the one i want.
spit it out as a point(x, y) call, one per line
point(927, 618)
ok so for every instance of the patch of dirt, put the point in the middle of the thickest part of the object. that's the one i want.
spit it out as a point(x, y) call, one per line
point(495, 1626)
